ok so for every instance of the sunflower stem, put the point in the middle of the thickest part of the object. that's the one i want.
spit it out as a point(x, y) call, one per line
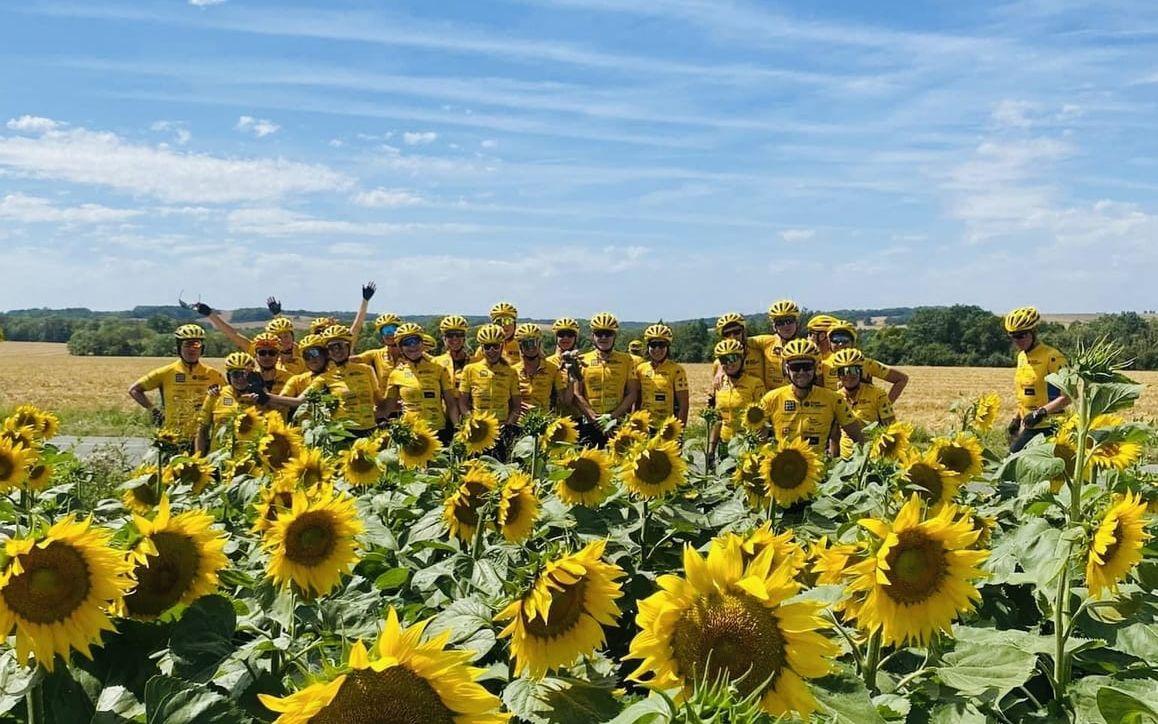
point(1063, 619)
point(34, 700)
point(872, 661)
point(643, 514)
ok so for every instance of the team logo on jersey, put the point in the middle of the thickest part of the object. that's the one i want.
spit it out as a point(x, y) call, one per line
point(1029, 391)
point(813, 440)
point(180, 377)
point(660, 397)
point(428, 394)
point(790, 405)
point(228, 401)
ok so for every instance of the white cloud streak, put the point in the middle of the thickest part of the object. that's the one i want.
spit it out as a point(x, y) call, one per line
point(260, 127)
point(26, 209)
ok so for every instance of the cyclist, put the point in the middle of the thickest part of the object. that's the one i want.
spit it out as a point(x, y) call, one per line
point(429, 344)
point(222, 404)
point(383, 358)
point(418, 384)
point(869, 403)
point(356, 384)
point(663, 384)
point(739, 389)
point(541, 383)
point(316, 360)
point(491, 384)
point(841, 336)
point(182, 385)
point(1037, 399)
point(733, 326)
point(566, 358)
point(804, 411)
point(454, 328)
point(266, 351)
point(504, 315)
point(606, 383)
point(635, 349)
point(784, 316)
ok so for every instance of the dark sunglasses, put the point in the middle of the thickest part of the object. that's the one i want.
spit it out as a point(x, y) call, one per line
point(801, 367)
point(528, 343)
point(850, 370)
point(656, 343)
point(388, 330)
point(504, 321)
point(411, 342)
point(238, 373)
point(336, 345)
point(840, 339)
point(491, 347)
point(566, 333)
point(267, 353)
point(1018, 335)
point(603, 333)
point(313, 353)
point(734, 329)
point(730, 359)
point(191, 343)
point(454, 335)
point(783, 321)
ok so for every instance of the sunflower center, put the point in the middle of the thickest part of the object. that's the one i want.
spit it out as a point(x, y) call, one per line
point(417, 446)
point(6, 467)
point(734, 635)
point(916, 566)
point(162, 583)
point(955, 458)
point(1067, 455)
point(788, 469)
point(361, 463)
point(54, 584)
point(394, 696)
point(278, 450)
point(653, 467)
point(514, 506)
point(188, 474)
point(309, 539)
point(246, 424)
point(564, 612)
point(585, 474)
point(929, 481)
point(1112, 549)
point(146, 494)
point(477, 432)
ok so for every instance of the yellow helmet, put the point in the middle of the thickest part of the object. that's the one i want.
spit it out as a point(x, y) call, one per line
point(658, 331)
point(606, 321)
point(319, 324)
point(490, 334)
point(800, 349)
point(311, 341)
point(565, 323)
point(429, 342)
point(728, 346)
point(783, 308)
point(385, 320)
point(189, 331)
point(337, 333)
point(407, 329)
point(729, 319)
point(504, 309)
point(278, 325)
point(528, 330)
point(1022, 319)
point(265, 340)
point(843, 326)
point(238, 361)
point(847, 358)
point(821, 322)
point(453, 323)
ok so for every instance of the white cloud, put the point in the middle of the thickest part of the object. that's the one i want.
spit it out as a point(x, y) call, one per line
point(419, 138)
point(490, 143)
point(205, 3)
point(1015, 114)
point(795, 236)
point(81, 156)
point(33, 124)
point(283, 222)
point(260, 127)
point(181, 134)
point(33, 209)
point(388, 197)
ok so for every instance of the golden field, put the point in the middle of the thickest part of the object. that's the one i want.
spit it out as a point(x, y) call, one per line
point(44, 374)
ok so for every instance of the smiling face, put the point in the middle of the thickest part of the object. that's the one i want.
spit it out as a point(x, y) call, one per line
point(529, 348)
point(315, 359)
point(454, 340)
point(565, 340)
point(801, 372)
point(190, 351)
point(785, 327)
point(411, 347)
point(657, 350)
point(493, 352)
point(1023, 340)
point(850, 376)
point(266, 358)
point(238, 379)
point(339, 350)
point(603, 339)
point(732, 364)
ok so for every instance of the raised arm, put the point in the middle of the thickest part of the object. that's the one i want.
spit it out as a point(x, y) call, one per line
point(368, 290)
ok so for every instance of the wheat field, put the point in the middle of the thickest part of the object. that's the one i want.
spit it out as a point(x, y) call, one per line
point(44, 374)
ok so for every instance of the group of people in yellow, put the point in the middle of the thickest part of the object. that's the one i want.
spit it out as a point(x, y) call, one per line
point(813, 384)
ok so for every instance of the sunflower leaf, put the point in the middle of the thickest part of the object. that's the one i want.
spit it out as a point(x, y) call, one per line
point(203, 638)
point(1116, 706)
point(169, 700)
point(844, 699)
point(974, 668)
point(1084, 693)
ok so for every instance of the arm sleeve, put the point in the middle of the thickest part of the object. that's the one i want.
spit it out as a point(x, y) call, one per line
point(875, 369)
point(843, 412)
point(680, 382)
point(152, 380)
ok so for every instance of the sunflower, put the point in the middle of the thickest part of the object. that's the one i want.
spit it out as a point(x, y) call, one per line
point(654, 469)
point(463, 508)
point(831, 562)
point(44, 424)
point(960, 454)
point(985, 411)
point(240, 464)
point(273, 499)
point(24, 436)
point(754, 417)
point(639, 421)
point(144, 496)
point(39, 475)
point(623, 442)
point(312, 543)
point(1112, 454)
point(727, 619)
point(407, 680)
point(935, 483)
point(560, 431)
point(248, 424)
point(195, 472)
point(306, 469)
point(892, 442)
point(479, 432)
point(791, 470)
point(280, 444)
point(747, 477)
point(589, 482)
point(518, 507)
point(176, 561)
point(670, 429)
point(417, 445)
point(55, 588)
point(360, 463)
point(1117, 544)
point(563, 614)
point(921, 577)
point(785, 549)
point(14, 462)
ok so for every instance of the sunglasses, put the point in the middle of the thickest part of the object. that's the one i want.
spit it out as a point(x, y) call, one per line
point(801, 367)
point(603, 333)
point(850, 370)
point(528, 343)
point(840, 339)
point(388, 330)
point(267, 353)
point(567, 333)
point(504, 321)
point(1018, 335)
point(336, 345)
point(411, 342)
point(729, 331)
point(491, 347)
point(312, 353)
point(656, 344)
point(238, 373)
point(730, 359)
point(192, 343)
point(783, 321)
point(454, 335)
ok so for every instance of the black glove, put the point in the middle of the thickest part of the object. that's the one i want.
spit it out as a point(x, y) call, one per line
point(368, 290)
point(1035, 417)
point(1014, 426)
point(158, 416)
point(273, 305)
point(203, 309)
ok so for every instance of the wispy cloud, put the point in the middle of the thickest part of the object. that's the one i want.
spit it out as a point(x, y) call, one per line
point(385, 198)
point(419, 138)
point(34, 210)
point(260, 127)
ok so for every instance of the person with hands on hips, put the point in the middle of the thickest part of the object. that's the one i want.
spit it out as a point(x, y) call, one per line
point(1037, 399)
point(182, 385)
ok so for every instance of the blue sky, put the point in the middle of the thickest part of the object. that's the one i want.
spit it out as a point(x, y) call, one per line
point(656, 158)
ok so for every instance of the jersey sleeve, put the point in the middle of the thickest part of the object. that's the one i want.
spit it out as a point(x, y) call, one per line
point(379, 391)
point(680, 379)
point(875, 369)
point(1057, 361)
point(215, 377)
point(843, 412)
point(153, 379)
point(205, 416)
point(444, 384)
point(464, 380)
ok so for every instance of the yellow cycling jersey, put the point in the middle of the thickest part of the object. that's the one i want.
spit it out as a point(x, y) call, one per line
point(379, 358)
point(754, 356)
point(870, 404)
point(658, 385)
point(295, 386)
point(221, 409)
point(511, 353)
point(637, 359)
point(774, 362)
point(810, 419)
point(492, 388)
point(605, 380)
point(1031, 389)
point(734, 395)
point(356, 386)
point(421, 387)
point(276, 384)
point(539, 387)
point(870, 368)
point(182, 392)
point(452, 366)
point(570, 410)
point(291, 363)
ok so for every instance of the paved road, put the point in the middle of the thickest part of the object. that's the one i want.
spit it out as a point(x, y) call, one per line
point(83, 447)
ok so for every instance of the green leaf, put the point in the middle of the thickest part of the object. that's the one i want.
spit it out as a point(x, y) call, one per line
point(959, 712)
point(391, 579)
point(203, 637)
point(652, 710)
point(1084, 694)
point(1140, 639)
point(844, 699)
point(892, 707)
point(1034, 464)
point(975, 668)
point(169, 700)
point(469, 621)
point(65, 698)
point(1113, 396)
point(560, 701)
point(1118, 707)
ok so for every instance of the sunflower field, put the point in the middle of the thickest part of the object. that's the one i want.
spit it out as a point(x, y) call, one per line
point(297, 575)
